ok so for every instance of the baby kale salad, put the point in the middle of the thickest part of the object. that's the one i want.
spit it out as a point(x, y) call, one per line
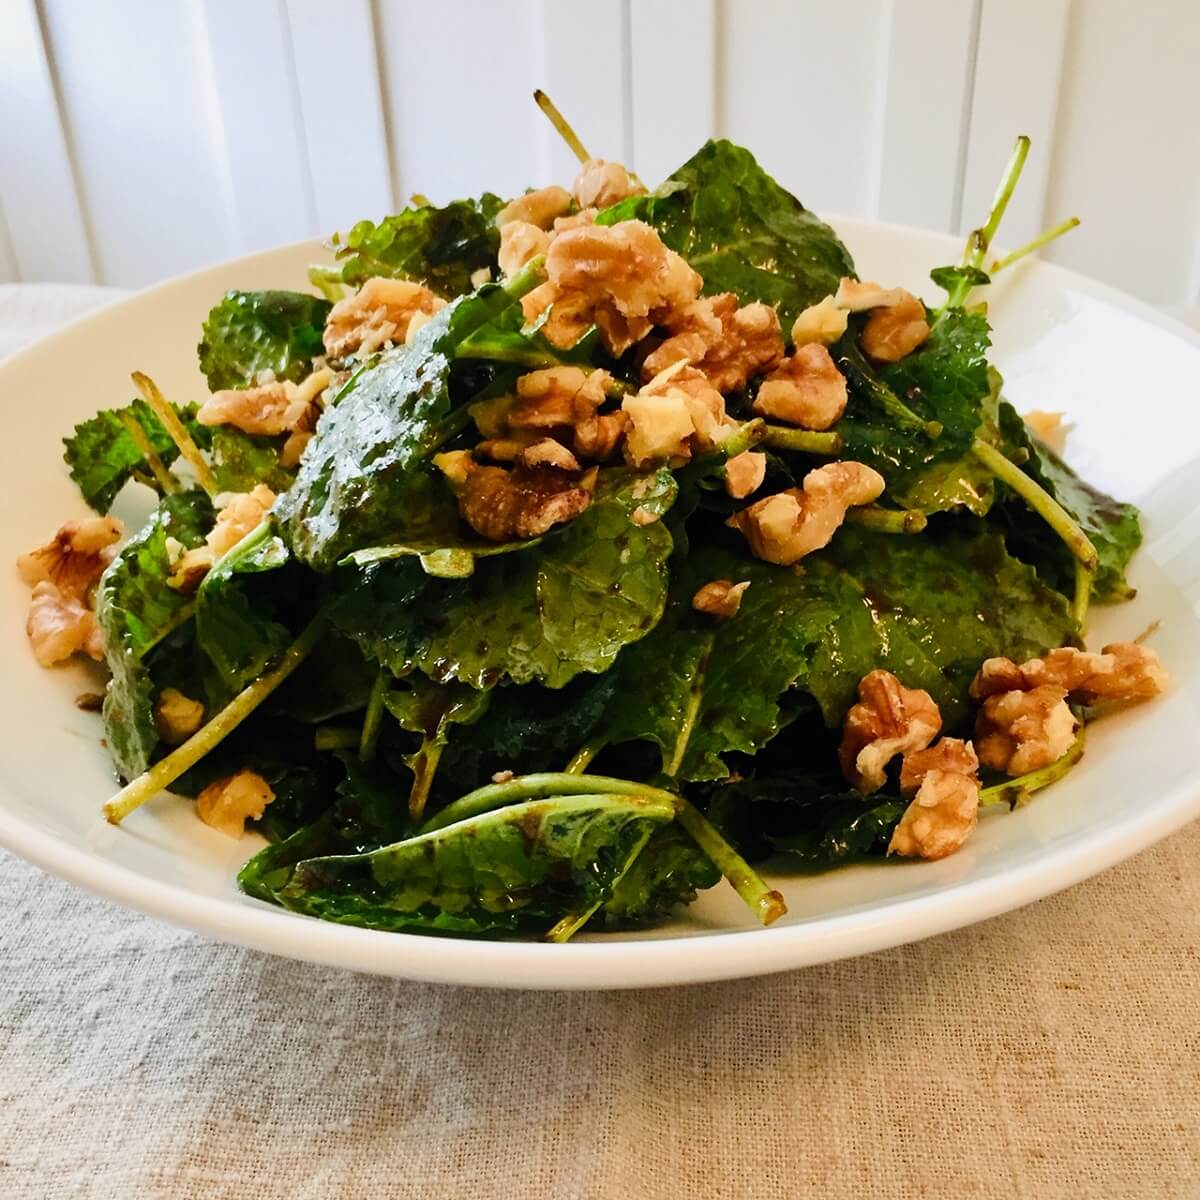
point(561, 554)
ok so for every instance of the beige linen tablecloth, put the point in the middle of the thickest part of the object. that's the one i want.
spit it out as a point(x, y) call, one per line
point(1054, 1052)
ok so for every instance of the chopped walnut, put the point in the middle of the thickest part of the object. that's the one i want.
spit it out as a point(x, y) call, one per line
point(729, 344)
point(60, 624)
point(806, 389)
point(520, 241)
point(229, 803)
point(820, 324)
point(585, 216)
point(597, 437)
point(502, 504)
point(1121, 671)
point(378, 313)
point(1019, 732)
point(177, 716)
point(1048, 427)
point(539, 208)
point(556, 398)
point(891, 333)
point(857, 296)
point(601, 183)
point(75, 557)
point(455, 465)
point(889, 719)
point(269, 409)
point(676, 413)
point(945, 809)
point(721, 598)
point(548, 453)
point(506, 449)
point(243, 511)
point(785, 527)
point(744, 473)
point(620, 278)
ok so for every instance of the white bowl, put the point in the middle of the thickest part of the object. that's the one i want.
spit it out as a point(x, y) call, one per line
point(1125, 375)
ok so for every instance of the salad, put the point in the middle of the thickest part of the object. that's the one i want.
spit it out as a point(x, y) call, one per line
point(560, 555)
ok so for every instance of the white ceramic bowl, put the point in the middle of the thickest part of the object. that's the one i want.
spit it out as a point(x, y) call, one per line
point(1125, 376)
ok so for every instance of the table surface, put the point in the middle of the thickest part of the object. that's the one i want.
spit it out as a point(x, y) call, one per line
point(1051, 1052)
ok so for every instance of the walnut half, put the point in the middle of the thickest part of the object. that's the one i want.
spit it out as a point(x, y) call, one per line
point(75, 558)
point(943, 782)
point(1019, 732)
point(889, 719)
point(1121, 671)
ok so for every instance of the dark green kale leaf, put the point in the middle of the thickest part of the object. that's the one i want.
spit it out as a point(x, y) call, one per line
point(518, 869)
point(241, 461)
point(809, 816)
point(237, 625)
point(103, 456)
point(1113, 527)
point(742, 231)
point(665, 876)
point(136, 609)
point(559, 608)
point(439, 247)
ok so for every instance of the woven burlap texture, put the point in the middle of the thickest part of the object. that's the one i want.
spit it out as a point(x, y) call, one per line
point(1053, 1052)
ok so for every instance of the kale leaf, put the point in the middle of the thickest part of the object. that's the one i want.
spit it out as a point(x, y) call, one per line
point(136, 610)
point(241, 461)
point(667, 874)
point(440, 247)
point(742, 231)
point(515, 869)
point(249, 332)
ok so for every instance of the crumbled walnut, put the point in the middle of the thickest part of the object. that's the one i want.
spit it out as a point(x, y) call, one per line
point(1019, 732)
point(1048, 427)
point(61, 624)
point(945, 809)
point(820, 324)
point(455, 465)
point(601, 183)
point(891, 333)
point(229, 803)
point(744, 473)
point(270, 408)
point(379, 312)
point(729, 344)
point(858, 296)
point(585, 216)
point(519, 242)
point(177, 716)
point(242, 512)
point(889, 719)
point(506, 449)
point(1121, 671)
point(806, 389)
point(677, 412)
point(539, 208)
point(503, 777)
point(721, 598)
point(548, 453)
point(502, 504)
point(479, 277)
point(597, 437)
point(785, 527)
point(620, 278)
point(556, 398)
point(190, 569)
point(75, 557)
point(293, 449)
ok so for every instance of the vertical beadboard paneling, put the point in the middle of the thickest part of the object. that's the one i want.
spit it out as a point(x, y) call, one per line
point(799, 84)
point(930, 65)
point(250, 56)
point(8, 261)
point(1017, 72)
point(343, 122)
point(37, 182)
point(589, 85)
point(131, 79)
point(1127, 155)
point(673, 94)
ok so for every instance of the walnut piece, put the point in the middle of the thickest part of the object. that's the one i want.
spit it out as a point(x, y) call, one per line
point(597, 436)
point(270, 408)
point(548, 453)
point(891, 333)
point(601, 183)
point(729, 344)
point(539, 208)
point(785, 527)
point(520, 241)
point(242, 512)
point(677, 412)
point(620, 278)
point(229, 803)
point(945, 808)
point(744, 473)
point(556, 398)
point(75, 557)
point(524, 502)
point(806, 389)
point(854, 295)
point(60, 624)
point(721, 598)
point(820, 324)
point(889, 719)
point(177, 716)
point(1049, 427)
point(1121, 671)
point(1019, 732)
point(378, 313)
